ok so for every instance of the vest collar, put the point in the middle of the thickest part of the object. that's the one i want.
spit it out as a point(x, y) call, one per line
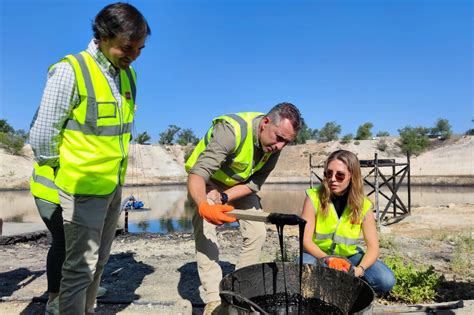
point(104, 63)
point(255, 124)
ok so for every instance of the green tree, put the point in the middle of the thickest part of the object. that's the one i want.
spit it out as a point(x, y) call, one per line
point(167, 136)
point(347, 138)
point(383, 134)
point(329, 132)
point(414, 140)
point(186, 136)
point(442, 129)
point(142, 138)
point(305, 134)
point(364, 132)
point(12, 140)
point(470, 132)
point(5, 127)
point(22, 134)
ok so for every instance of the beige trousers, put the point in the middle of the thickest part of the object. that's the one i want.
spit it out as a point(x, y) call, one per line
point(207, 248)
point(89, 229)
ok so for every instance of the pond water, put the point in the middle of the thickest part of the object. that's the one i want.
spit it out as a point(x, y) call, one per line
point(171, 212)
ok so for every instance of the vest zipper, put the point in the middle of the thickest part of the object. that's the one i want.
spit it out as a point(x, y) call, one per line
point(333, 245)
point(120, 108)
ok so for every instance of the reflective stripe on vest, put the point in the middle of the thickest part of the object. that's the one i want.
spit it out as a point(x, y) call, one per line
point(96, 135)
point(42, 184)
point(239, 165)
point(334, 235)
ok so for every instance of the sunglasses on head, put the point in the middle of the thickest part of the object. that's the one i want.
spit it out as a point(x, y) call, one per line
point(339, 175)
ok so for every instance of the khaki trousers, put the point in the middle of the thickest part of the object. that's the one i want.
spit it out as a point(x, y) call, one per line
point(207, 248)
point(89, 229)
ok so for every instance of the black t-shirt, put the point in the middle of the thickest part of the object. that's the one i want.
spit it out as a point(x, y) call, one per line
point(340, 203)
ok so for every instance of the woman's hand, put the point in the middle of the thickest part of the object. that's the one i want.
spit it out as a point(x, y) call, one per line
point(359, 271)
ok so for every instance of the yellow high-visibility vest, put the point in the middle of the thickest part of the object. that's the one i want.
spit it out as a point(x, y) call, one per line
point(42, 183)
point(334, 235)
point(94, 145)
point(239, 166)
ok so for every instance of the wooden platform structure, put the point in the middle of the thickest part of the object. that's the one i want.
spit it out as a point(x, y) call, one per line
point(382, 184)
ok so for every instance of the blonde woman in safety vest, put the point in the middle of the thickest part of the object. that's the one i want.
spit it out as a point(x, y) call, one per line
point(82, 129)
point(336, 213)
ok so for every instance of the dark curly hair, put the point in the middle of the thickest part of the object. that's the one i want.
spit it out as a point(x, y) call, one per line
point(120, 19)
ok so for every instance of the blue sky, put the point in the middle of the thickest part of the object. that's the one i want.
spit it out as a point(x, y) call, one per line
point(393, 63)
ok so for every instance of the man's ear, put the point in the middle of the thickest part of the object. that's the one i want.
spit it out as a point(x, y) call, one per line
point(266, 120)
point(103, 40)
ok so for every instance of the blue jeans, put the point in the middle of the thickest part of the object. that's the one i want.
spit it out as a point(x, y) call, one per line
point(378, 276)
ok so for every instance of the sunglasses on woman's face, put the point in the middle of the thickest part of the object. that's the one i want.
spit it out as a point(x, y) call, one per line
point(340, 176)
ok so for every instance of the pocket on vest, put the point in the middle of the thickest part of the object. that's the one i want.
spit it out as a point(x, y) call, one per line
point(107, 110)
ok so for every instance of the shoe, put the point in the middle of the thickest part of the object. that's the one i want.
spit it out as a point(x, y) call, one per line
point(212, 308)
point(101, 291)
point(52, 307)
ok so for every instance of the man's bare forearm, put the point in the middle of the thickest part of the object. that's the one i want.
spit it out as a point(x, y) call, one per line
point(197, 188)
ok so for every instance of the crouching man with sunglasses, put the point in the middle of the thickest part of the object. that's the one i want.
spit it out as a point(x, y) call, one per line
point(336, 212)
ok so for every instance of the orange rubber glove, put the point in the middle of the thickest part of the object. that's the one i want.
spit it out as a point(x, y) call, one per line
point(215, 214)
point(338, 264)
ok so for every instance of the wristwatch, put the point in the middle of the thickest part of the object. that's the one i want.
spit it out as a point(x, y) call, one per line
point(224, 198)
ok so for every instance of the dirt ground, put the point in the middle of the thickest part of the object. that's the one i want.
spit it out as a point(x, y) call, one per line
point(158, 272)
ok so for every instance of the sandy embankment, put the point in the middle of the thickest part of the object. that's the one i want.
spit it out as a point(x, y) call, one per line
point(450, 163)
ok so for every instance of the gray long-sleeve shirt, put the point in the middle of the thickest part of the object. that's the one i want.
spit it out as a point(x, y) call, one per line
point(222, 144)
point(60, 96)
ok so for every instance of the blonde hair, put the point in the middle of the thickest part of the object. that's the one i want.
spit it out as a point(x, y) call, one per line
point(355, 200)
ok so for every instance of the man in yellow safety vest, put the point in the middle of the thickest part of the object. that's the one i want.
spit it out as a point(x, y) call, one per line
point(82, 131)
point(226, 170)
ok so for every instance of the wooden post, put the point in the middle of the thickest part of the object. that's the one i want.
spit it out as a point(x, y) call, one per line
point(126, 221)
point(393, 184)
point(376, 183)
point(409, 183)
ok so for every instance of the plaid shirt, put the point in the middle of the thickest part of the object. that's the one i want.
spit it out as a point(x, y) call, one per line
point(60, 96)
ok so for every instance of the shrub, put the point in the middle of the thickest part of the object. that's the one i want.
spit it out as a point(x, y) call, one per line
point(12, 142)
point(5, 127)
point(364, 131)
point(383, 134)
point(329, 132)
point(414, 140)
point(388, 242)
point(167, 136)
point(347, 138)
point(186, 136)
point(142, 138)
point(442, 129)
point(463, 255)
point(414, 284)
point(382, 145)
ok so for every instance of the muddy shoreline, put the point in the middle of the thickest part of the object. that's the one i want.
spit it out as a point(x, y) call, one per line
point(153, 269)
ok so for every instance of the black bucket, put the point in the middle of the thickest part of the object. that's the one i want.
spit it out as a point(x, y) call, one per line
point(261, 289)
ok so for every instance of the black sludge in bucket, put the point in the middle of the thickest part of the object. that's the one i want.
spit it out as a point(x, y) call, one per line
point(261, 289)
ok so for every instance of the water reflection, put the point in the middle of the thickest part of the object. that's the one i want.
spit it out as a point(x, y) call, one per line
point(171, 212)
point(166, 224)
